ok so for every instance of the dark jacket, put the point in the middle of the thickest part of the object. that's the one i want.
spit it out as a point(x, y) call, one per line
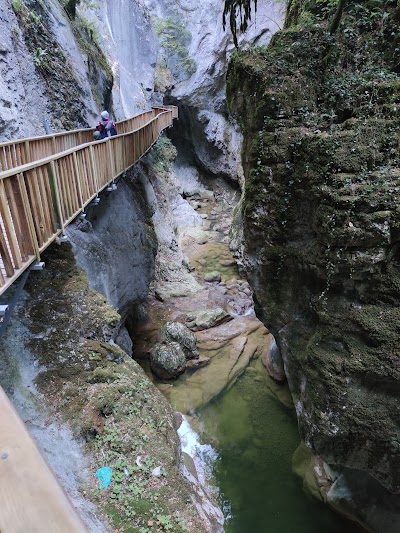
point(107, 128)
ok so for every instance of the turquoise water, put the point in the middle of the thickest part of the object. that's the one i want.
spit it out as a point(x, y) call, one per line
point(255, 437)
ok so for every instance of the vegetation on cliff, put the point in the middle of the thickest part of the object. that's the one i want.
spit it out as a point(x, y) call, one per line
point(321, 219)
point(55, 68)
point(127, 424)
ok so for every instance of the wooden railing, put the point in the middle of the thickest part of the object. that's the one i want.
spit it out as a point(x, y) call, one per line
point(22, 151)
point(40, 197)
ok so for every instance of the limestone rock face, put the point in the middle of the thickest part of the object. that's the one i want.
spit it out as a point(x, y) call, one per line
point(53, 87)
point(321, 236)
point(167, 361)
point(122, 273)
point(180, 49)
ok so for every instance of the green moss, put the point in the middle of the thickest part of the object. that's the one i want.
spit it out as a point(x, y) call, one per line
point(321, 222)
point(162, 156)
point(174, 38)
point(106, 398)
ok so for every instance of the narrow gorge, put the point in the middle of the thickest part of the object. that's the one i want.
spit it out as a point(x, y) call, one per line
point(219, 333)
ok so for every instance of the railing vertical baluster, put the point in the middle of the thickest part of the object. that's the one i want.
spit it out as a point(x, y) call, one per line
point(28, 214)
point(36, 204)
point(45, 204)
point(8, 224)
point(28, 156)
point(4, 254)
point(94, 168)
point(112, 161)
point(78, 179)
point(56, 192)
point(21, 226)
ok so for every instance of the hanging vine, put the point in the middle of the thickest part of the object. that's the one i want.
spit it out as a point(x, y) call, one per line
point(239, 14)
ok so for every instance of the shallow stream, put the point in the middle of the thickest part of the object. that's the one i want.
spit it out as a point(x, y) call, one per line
point(255, 437)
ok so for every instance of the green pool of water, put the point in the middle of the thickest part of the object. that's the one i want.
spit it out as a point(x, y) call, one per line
point(255, 437)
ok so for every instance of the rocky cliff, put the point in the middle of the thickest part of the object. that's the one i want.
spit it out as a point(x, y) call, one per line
point(321, 218)
point(179, 50)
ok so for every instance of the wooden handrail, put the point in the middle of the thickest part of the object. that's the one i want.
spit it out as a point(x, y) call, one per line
point(21, 151)
point(40, 198)
point(31, 497)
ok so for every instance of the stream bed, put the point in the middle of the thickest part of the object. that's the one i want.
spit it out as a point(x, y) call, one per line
point(255, 437)
point(231, 402)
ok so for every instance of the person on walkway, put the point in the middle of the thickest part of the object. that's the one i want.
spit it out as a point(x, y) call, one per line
point(106, 127)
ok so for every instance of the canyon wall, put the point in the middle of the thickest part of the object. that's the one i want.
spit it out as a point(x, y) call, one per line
point(320, 216)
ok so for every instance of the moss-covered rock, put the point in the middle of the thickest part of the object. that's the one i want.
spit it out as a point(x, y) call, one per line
point(320, 213)
point(106, 398)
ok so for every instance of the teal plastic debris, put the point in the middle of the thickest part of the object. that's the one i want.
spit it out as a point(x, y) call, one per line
point(104, 476)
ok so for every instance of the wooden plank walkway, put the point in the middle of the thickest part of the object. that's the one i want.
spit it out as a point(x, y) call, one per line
point(59, 176)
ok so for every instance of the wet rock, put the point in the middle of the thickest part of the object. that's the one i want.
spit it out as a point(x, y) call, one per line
point(230, 347)
point(272, 360)
point(167, 361)
point(208, 195)
point(122, 274)
point(206, 318)
point(177, 332)
point(84, 225)
point(228, 262)
point(213, 276)
point(124, 341)
point(351, 493)
point(198, 363)
point(178, 419)
point(172, 289)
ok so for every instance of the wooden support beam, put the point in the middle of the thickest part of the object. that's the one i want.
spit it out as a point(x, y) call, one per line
point(56, 193)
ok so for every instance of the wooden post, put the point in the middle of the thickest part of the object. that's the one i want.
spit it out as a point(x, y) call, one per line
point(94, 168)
point(78, 179)
point(112, 161)
point(56, 193)
point(28, 152)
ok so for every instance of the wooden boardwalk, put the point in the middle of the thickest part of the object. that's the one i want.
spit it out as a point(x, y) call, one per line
point(45, 182)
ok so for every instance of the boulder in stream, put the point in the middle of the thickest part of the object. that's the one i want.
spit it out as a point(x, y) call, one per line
point(212, 276)
point(206, 318)
point(273, 362)
point(167, 361)
point(179, 333)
